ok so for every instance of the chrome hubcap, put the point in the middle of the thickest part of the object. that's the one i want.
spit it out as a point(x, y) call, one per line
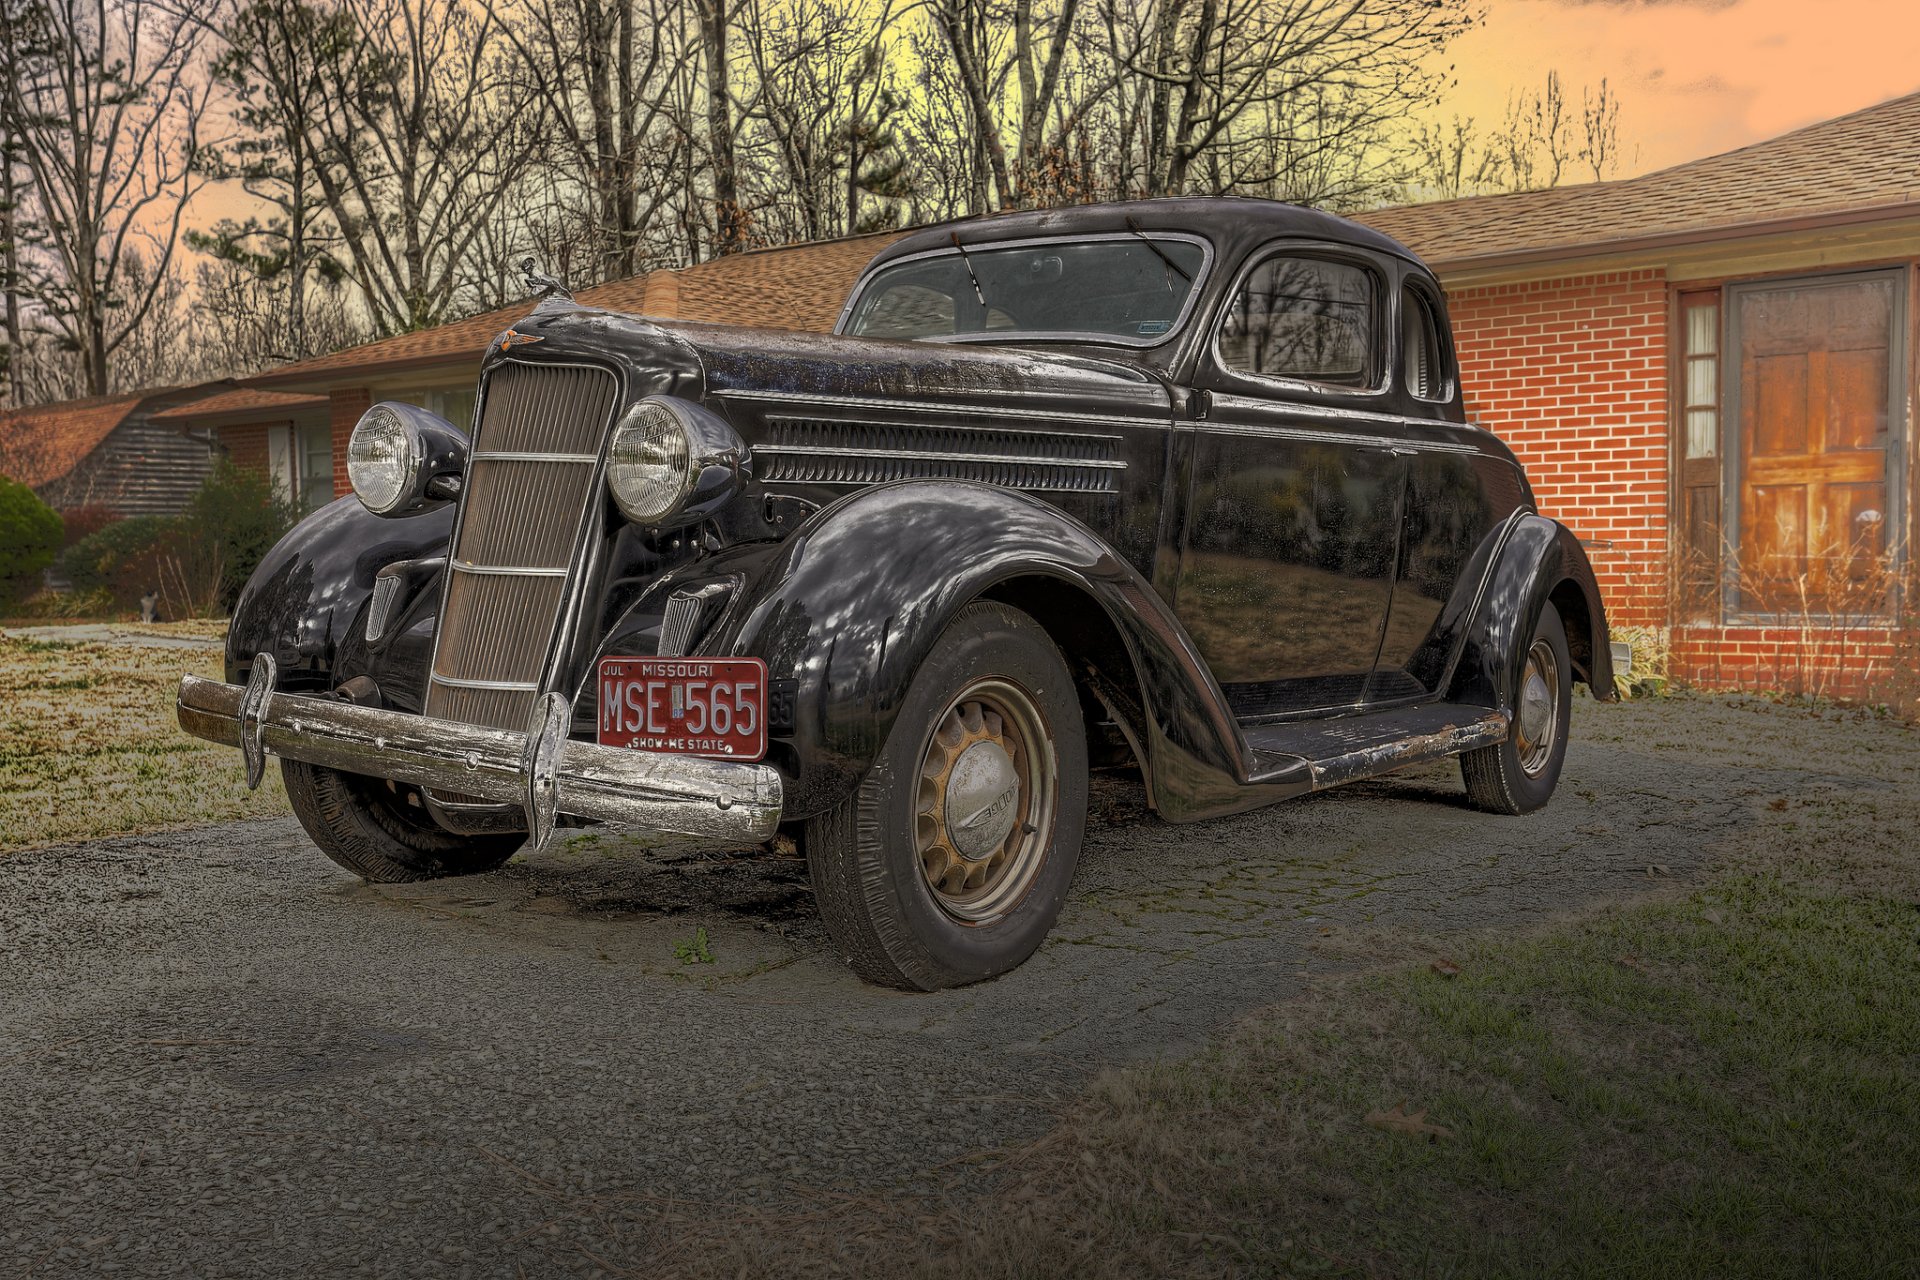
point(985, 801)
point(1538, 722)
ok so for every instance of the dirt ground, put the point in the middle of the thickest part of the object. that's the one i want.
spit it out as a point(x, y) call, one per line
point(219, 1055)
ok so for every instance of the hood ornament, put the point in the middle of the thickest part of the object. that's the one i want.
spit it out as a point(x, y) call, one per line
point(541, 284)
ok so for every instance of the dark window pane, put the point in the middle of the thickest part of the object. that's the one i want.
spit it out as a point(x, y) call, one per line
point(1420, 348)
point(1303, 318)
point(1132, 291)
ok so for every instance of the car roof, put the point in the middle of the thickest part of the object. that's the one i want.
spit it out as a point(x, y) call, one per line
point(1235, 224)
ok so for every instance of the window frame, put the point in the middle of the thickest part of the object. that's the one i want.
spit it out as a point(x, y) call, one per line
point(1317, 251)
point(1727, 598)
point(1448, 366)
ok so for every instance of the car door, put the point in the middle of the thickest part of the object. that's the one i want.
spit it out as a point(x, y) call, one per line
point(1457, 500)
point(1291, 535)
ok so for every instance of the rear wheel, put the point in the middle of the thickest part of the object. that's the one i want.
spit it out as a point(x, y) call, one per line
point(368, 826)
point(952, 859)
point(1519, 775)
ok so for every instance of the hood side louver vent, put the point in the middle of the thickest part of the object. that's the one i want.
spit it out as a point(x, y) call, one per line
point(818, 451)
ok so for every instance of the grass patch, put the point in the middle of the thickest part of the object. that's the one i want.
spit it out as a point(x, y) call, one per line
point(1725, 1085)
point(89, 745)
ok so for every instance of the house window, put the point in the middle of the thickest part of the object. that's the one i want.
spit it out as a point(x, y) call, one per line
point(1790, 444)
point(1698, 450)
point(1303, 318)
point(315, 466)
point(1700, 327)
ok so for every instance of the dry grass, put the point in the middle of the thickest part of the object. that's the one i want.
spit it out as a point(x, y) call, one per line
point(90, 746)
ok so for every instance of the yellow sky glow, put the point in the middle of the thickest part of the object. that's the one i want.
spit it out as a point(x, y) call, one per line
point(1695, 77)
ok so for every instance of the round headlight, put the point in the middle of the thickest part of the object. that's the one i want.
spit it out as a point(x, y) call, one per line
point(383, 457)
point(649, 464)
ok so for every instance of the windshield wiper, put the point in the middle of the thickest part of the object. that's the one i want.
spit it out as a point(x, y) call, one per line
point(1157, 252)
point(967, 260)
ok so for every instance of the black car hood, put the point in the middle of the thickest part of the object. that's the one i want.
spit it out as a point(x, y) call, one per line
point(749, 363)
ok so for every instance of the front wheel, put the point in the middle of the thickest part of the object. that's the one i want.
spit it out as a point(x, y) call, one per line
point(952, 859)
point(1519, 775)
point(368, 826)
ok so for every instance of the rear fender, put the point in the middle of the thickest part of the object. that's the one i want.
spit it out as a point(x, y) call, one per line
point(850, 606)
point(1541, 562)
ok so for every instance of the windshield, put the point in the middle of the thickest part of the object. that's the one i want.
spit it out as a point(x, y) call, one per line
point(1127, 289)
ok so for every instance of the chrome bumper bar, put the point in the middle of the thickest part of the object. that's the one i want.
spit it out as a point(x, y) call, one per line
point(691, 800)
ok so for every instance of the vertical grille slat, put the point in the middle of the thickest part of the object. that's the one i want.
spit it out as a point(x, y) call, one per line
point(517, 513)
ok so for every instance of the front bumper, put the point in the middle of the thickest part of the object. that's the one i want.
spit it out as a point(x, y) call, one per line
point(687, 800)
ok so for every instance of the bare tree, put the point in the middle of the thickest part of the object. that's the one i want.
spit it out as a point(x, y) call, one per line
point(600, 72)
point(823, 104)
point(104, 100)
point(731, 232)
point(421, 141)
point(1600, 130)
point(273, 67)
point(239, 317)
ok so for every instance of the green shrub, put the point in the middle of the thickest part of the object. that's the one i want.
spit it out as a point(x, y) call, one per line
point(30, 533)
point(196, 561)
point(81, 521)
point(226, 530)
point(122, 558)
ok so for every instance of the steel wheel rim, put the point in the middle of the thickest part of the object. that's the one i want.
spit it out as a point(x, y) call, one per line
point(1537, 725)
point(965, 795)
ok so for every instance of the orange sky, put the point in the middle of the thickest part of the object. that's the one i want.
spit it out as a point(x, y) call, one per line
point(1695, 77)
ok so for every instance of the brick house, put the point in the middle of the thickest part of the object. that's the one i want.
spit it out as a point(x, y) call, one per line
point(1708, 372)
point(120, 452)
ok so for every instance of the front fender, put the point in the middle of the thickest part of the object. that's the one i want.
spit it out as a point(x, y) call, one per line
point(850, 606)
point(1541, 562)
point(304, 597)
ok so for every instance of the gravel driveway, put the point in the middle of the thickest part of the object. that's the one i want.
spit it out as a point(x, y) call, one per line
point(221, 1056)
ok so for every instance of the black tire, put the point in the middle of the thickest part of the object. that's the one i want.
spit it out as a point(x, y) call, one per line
point(869, 859)
point(367, 827)
point(1519, 775)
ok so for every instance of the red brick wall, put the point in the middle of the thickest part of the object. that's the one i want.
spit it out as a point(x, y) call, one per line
point(246, 445)
point(1572, 374)
point(344, 407)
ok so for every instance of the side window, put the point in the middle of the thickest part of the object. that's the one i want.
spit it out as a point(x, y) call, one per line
point(1423, 360)
point(908, 311)
point(1305, 318)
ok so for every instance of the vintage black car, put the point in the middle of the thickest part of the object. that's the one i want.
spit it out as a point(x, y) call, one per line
point(1182, 480)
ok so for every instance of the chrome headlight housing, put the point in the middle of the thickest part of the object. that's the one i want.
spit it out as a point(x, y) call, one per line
point(399, 458)
point(672, 463)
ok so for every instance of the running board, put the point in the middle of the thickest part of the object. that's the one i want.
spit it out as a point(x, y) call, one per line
point(1349, 748)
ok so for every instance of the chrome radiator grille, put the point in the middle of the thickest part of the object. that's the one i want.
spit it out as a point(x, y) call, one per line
point(815, 451)
point(529, 485)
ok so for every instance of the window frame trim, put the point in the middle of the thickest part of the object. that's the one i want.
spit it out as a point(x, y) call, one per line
point(1732, 464)
point(1179, 326)
point(1449, 364)
point(1386, 314)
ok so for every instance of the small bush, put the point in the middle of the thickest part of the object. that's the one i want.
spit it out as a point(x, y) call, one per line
point(122, 558)
point(228, 528)
point(81, 522)
point(30, 533)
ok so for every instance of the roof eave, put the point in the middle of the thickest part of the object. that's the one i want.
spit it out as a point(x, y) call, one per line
point(1577, 250)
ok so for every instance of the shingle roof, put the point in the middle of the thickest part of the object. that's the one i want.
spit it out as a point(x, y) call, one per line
point(242, 400)
point(797, 286)
point(1869, 160)
point(40, 445)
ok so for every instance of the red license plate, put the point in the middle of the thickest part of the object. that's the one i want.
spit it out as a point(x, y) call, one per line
point(687, 706)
